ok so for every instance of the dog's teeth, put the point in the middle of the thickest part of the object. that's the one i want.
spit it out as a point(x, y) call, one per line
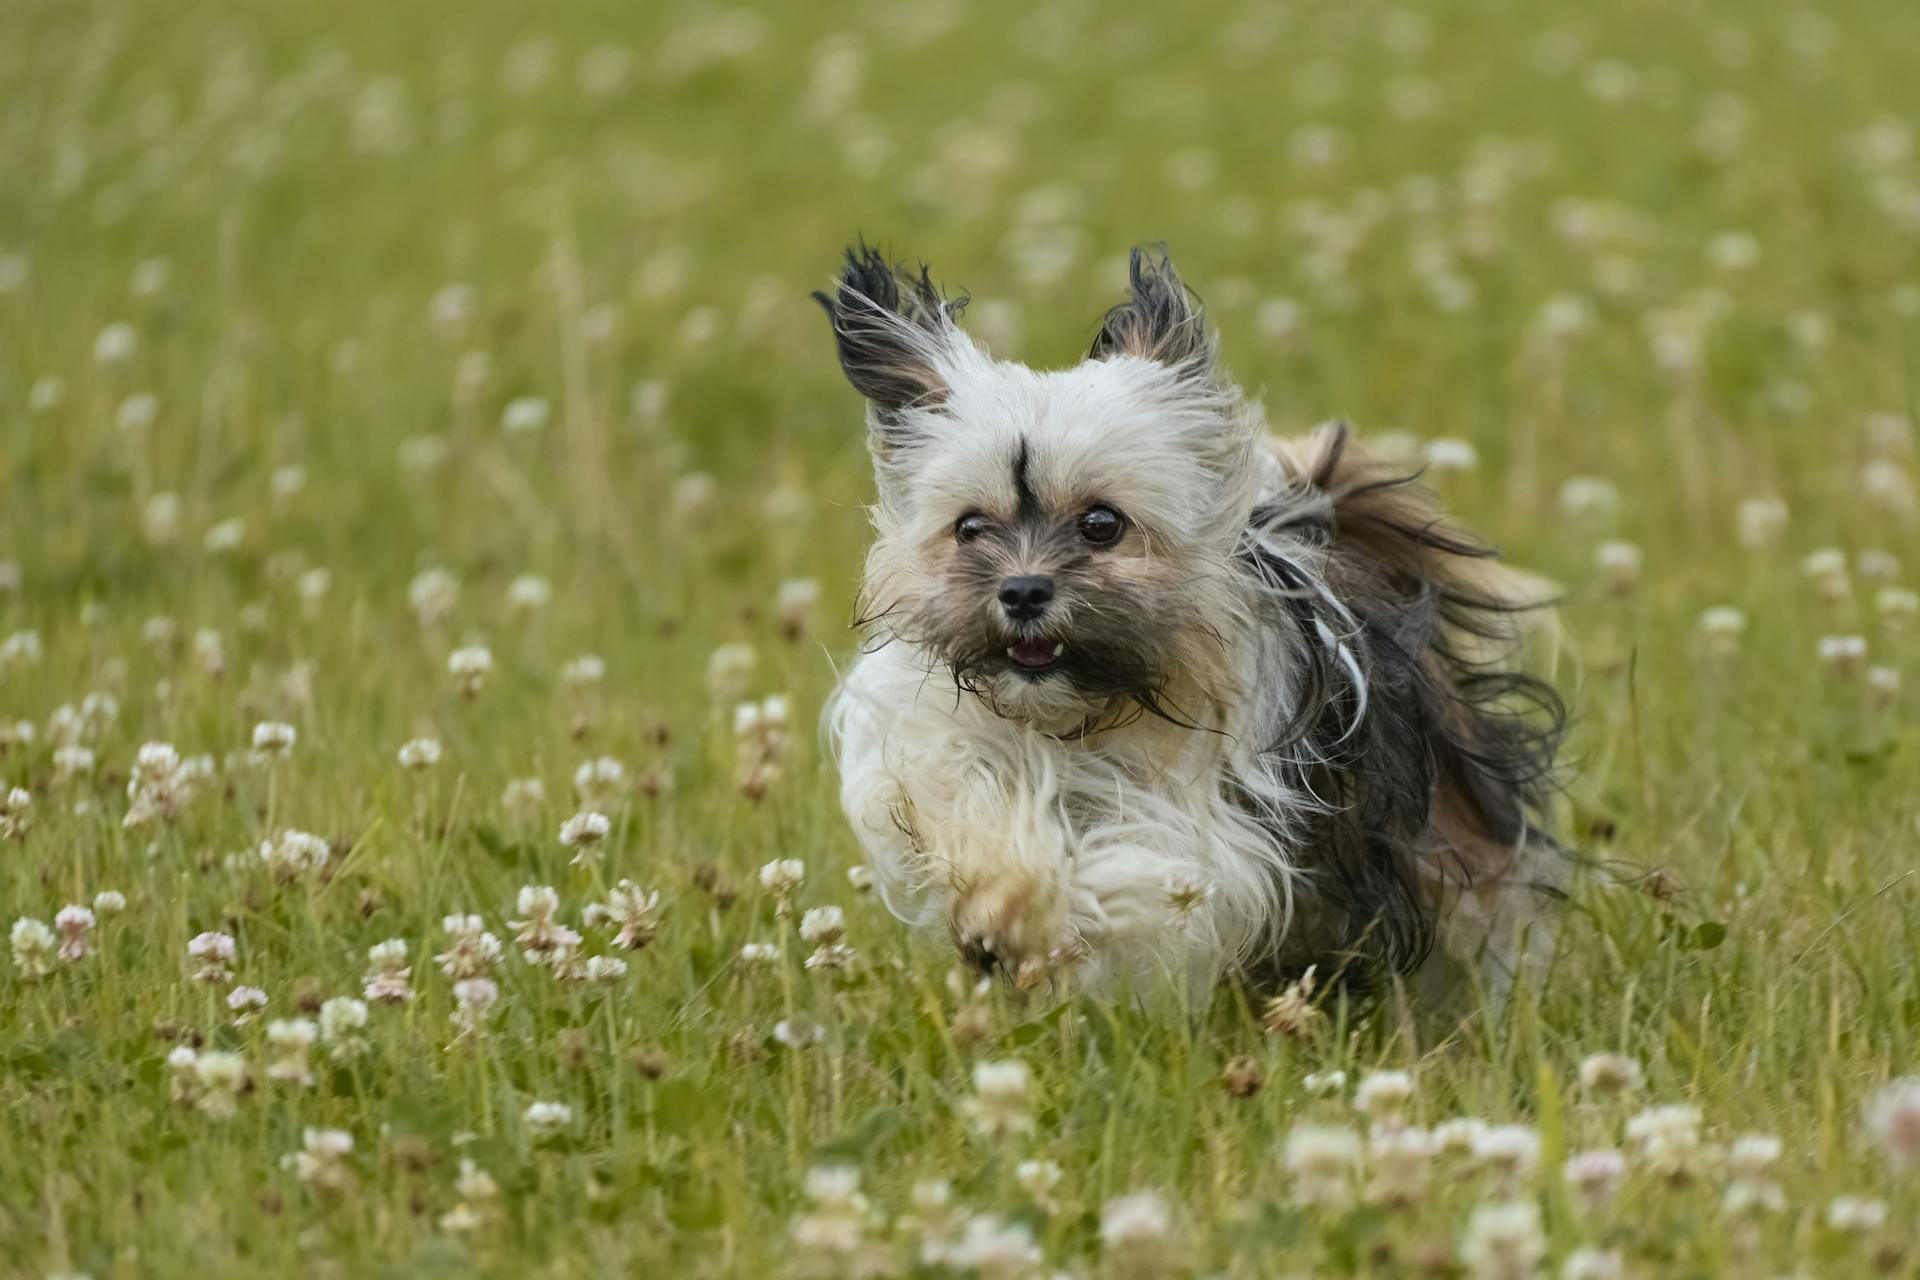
point(1057, 649)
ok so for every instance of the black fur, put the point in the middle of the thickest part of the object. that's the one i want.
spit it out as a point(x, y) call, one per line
point(1163, 320)
point(883, 320)
point(1435, 723)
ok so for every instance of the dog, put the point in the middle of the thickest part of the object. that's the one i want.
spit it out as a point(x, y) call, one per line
point(1146, 689)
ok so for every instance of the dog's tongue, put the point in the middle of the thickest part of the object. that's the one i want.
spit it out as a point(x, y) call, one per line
point(1034, 653)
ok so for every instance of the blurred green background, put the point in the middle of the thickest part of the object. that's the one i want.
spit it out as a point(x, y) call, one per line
point(298, 301)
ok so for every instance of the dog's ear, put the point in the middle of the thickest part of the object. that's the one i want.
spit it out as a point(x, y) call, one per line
point(1162, 321)
point(895, 332)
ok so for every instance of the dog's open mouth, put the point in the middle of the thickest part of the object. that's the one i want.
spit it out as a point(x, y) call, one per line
point(1035, 655)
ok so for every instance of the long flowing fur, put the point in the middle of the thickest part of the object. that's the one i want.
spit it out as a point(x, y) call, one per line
point(1286, 725)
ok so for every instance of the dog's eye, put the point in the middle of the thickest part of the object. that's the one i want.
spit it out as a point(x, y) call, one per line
point(969, 526)
point(1101, 526)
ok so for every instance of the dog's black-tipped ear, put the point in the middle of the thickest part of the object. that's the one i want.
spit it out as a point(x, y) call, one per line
point(893, 328)
point(1162, 321)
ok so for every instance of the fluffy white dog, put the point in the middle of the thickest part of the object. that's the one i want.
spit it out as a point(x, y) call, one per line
point(1145, 689)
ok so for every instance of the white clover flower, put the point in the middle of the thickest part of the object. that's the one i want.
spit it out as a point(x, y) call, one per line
point(585, 669)
point(860, 877)
point(1444, 456)
point(470, 666)
point(1595, 1176)
point(295, 853)
point(1733, 250)
point(1593, 1264)
point(116, 343)
point(991, 1246)
point(160, 518)
point(1892, 1117)
point(605, 969)
point(1826, 568)
point(783, 876)
point(523, 796)
point(794, 604)
point(1588, 498)
point(1564, 316)
point(433, 595)
point(137, 412)
point(46, 394)
point(541, 933)
point(547, 1120)
point(1842, 653)
point(823, 926)
point(1723, 626)
point(728, 671)
point(1140, 1220)
point(600, 783)
point(1400, 1160)
point(525, 414)
point(693, 494)
point(1510, 1151)
point(1610, 1074)
point(225, 536)
point(1322, 1161)
point(109, 902)
point(584, 830)
point(1503, 1241)
point(471, 951)
point(16, 813)
point(832, 956)
point(245, 1002)
point(342, 1021)
point(35, 948)
point(1459, 1136)
point(1856, 1215)
point(321, 1161)
point(21, 649)
point(419, 753)
point(798, 1033)
point(218, 1079)
point(1038, 1178)
point(1760, 522)
point(451, 306)
point(1001, 1092)
point(1669, 1143)
point(474, 1000)
point(1292, 1012)
point(213, 952)
point(759, 953)
point(75, 925)
point(1383, 1095)
point(1324, 1084)
point(1898, 606)
point(529, 593)
point(389, 977)
point(1619, 563)
point(635, 911)
point(290, 1039)
point(274, 737)
point(422, 454)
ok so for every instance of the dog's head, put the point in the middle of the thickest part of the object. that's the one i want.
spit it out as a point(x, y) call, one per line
point(1061, 541)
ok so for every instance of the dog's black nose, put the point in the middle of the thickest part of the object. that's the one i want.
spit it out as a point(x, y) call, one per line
point(1026, 598)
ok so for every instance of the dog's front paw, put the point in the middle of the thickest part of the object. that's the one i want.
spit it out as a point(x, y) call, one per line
point(1017, 922)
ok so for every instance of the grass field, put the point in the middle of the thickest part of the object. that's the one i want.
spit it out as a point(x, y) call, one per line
point(340, 343)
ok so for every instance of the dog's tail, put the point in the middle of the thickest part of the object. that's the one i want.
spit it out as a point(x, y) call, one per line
point(1436, 751)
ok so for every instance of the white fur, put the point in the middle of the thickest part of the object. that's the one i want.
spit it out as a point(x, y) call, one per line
point(990, 812)
point(1049, 844)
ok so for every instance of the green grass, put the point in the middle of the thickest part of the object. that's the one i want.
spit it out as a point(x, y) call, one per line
point(314, 175)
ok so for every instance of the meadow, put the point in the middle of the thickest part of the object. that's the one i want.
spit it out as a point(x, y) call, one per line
point(431, 513)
